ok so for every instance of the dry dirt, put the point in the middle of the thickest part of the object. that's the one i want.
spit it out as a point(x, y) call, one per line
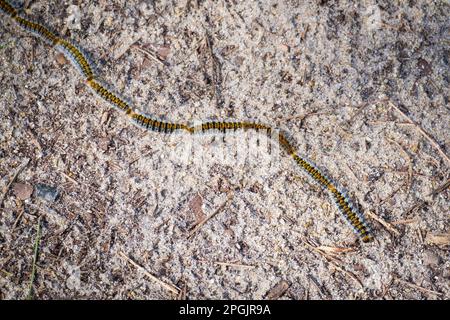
point(361, 88)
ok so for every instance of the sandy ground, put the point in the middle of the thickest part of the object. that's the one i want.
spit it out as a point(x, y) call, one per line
point(361, 88)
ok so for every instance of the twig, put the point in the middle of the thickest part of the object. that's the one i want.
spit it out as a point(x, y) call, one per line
point(335, 250)
point(22, 211)
point(172, 288)
point(216, 71)
point(201, 223)
point(8, 274)
point(385, 224)
point(410, 169)
point(403, 221)
point(5, 190)
point(235, 265)
point(392, 194)
point(440, 188)
point(321, 288)
point(230, 264)
point(421, 204)
point(348, 273)
point(415, 286)
point(418, 127)
point(182, 294)
point(69, 177)
point(329, 258)
point(35, 256)
point(118, 54)
point(360, 108)
point(149, 54)
point(333, 261)
point(419, 235)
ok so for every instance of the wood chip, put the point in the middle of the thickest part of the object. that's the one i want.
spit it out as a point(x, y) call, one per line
point(170, 287)
point(384, 223)
point(278, 291)
point(440, 239)
point(335, 250)
point(195, 206)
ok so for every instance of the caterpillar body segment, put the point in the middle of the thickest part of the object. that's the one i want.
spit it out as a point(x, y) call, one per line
point(77, 57)
point(37, 29)
point(285, 144)
point(8, 9)
point(109, 96)
point(342, 201)
point(224, 126)
point(353, 217)
point(312, 170)
point(151, 124)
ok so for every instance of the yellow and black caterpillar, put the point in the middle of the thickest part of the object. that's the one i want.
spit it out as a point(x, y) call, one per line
point(87, 71)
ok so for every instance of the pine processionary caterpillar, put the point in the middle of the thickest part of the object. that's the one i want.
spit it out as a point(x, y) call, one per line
point(86, 69)
point(342, 201)
point(8, 9)
point(156, 125)
point(42, 32)
point(109, 96)
point(223, 126)
point(77, 57)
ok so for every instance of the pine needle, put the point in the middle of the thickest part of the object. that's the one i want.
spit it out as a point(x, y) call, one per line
point(35, 256)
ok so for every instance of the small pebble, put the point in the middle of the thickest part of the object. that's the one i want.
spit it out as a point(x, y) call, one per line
point(61, 59)
point(23, 191)
point(430, 258)
point(47, 193)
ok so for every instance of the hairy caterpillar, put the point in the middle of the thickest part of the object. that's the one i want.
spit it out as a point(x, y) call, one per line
point(77, 57)
point(86, 70)
point(156, 125)
point(8, 9)
point(224, 126)
point(107, 95)
point(41, 31)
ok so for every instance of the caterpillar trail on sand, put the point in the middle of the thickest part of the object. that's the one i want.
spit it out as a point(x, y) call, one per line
point(87, 71)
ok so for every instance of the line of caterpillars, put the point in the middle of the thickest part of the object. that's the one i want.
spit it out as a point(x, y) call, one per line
point(85, 67)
